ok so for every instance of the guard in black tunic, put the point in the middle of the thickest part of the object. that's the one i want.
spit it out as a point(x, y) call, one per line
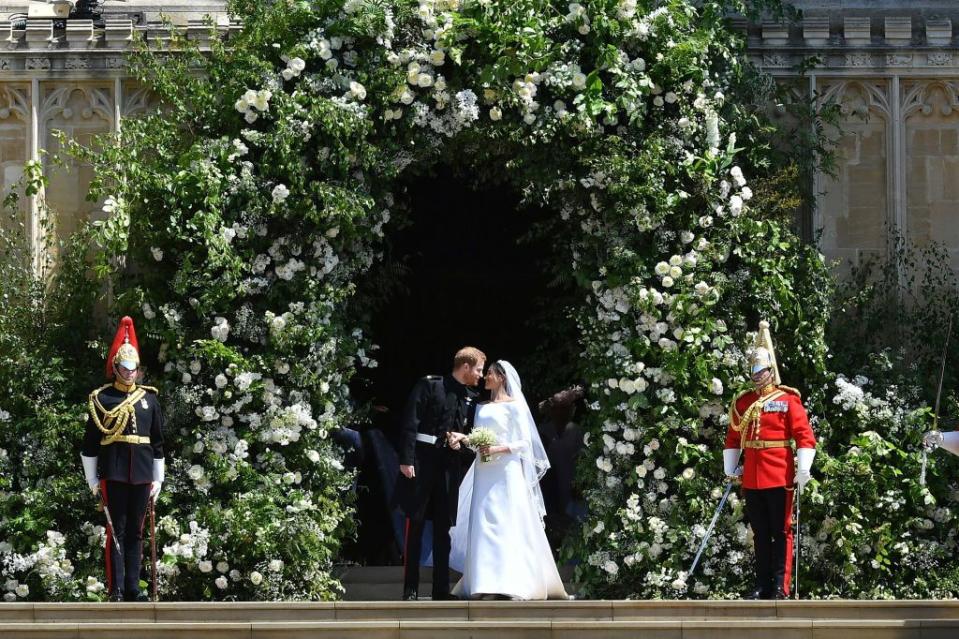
point(123, 461)
point(432, 464)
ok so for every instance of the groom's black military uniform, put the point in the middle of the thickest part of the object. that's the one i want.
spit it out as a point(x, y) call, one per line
point(436, 406)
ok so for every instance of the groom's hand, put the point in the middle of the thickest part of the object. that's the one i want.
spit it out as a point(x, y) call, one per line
point(408, 471)
point(454, 440)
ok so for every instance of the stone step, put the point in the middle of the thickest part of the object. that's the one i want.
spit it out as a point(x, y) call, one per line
point(385, 583)
point(586, 611)
point(500, 629)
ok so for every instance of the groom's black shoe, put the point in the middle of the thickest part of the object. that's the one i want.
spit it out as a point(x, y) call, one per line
point(409, 594)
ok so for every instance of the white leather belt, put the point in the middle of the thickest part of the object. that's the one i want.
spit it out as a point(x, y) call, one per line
point(426, 439)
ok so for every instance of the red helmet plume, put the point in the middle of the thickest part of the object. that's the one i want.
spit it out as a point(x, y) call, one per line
point(125, 335)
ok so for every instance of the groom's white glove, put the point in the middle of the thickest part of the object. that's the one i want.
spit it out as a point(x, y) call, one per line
point(804, 457)
point(159, 468)
point(731, 462)
point(90, 473)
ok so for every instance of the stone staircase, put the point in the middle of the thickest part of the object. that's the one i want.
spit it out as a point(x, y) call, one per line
point(486, 620)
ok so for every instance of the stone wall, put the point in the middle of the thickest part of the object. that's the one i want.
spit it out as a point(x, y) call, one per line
point(893, 67)
point(74, 81)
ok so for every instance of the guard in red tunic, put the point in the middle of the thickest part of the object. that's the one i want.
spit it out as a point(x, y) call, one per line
point(123, 462)
point(765, 423)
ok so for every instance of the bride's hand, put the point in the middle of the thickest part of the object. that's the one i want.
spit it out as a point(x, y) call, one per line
point(493, 450)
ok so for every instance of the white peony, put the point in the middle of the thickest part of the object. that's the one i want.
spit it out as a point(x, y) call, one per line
point(256, 578)
point(205, 566)
point(495, 114)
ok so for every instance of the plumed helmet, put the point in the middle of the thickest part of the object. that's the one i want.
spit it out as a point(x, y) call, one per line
point(763, 355)
point(125, 350)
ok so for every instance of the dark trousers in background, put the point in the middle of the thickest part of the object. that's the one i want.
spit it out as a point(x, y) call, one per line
point(128, 507)
point(767, 510)
point(438, 510)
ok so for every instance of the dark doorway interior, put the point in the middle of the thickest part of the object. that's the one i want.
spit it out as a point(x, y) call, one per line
point(463, 269)
point(469, 279)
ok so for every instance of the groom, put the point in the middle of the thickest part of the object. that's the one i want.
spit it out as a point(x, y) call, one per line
point(432, 464)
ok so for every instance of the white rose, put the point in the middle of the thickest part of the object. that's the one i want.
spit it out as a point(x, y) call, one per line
point(579, 80)
point(358, 91)
point(256, 578)
point(280, 193)
point(662, 268)
point(262, 101)
point(23, 590)
point(221, 582)
point(716, 386)
point(220, 380)
point(495, 114)
point(437, 58)
point(276, 565)
point(195, 472)
point(312, 455)
point(667, 281)
point(205, 566)
point(688, 474)
point(297, 65)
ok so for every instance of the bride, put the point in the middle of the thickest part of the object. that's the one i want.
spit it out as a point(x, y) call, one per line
point(498, 542)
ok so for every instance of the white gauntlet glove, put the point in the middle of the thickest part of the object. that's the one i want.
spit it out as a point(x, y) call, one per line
point(949, 441)
point(731, 462)
point(804, 457)
point(90, 473)
point(159, 467)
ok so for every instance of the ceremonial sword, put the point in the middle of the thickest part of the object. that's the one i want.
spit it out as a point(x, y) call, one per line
point(798, 494)
point(113, 536)
point(712, 524)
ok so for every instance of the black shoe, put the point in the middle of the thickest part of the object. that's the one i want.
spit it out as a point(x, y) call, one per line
point(409, 594)
point(115, 597)
point(142, 597)
point(756, 594)
point(780, 594)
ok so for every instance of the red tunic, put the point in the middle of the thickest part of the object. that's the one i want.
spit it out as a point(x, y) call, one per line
point(782, 418)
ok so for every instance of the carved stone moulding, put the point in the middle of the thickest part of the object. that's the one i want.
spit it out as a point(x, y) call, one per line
point(54, 62)
point(14, 102)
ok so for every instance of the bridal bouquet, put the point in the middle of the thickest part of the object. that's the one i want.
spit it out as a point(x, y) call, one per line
point(480, 437)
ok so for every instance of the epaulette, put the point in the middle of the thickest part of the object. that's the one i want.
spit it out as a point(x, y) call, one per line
point(734, 415)
point(433, 378)
point(96, 391)
point(152, 389)
point(740, 395)
point(790, 390)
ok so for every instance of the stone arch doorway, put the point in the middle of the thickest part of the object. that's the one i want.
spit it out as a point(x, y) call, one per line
point(469, 264)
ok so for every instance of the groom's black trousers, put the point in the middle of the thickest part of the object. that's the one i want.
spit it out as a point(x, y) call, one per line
point(437, 508)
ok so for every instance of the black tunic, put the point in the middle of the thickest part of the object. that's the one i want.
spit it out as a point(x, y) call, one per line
point(436, 406)
point(122, 461)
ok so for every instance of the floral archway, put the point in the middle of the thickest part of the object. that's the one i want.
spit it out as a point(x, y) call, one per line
point(252, 204)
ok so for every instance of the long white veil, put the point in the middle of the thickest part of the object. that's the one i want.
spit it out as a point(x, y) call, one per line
point(535, 461)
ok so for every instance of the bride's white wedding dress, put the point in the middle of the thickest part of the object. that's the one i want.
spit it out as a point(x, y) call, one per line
point(498, 542)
